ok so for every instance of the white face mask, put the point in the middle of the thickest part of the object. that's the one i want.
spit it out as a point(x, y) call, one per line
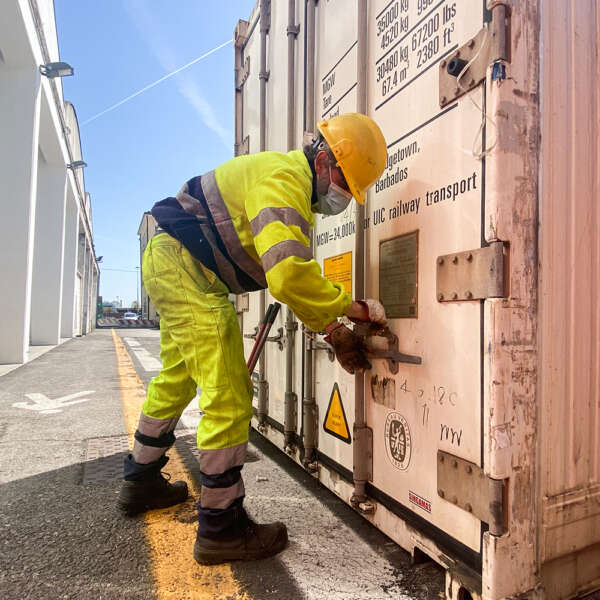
point(334, 201)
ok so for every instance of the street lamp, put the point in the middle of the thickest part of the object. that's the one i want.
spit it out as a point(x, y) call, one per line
point(76, 164)
point(56, 69)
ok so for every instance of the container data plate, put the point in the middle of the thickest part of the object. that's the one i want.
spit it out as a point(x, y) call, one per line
point(398, 267)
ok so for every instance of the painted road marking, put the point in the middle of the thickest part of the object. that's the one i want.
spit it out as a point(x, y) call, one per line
point(190, 418)
point(49, 406)
point(170, 532)
point(148, 362)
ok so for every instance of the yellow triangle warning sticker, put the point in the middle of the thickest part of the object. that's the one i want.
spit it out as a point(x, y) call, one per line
point(335, 421)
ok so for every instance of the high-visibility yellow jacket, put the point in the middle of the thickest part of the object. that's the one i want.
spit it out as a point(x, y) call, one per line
point(254, 213)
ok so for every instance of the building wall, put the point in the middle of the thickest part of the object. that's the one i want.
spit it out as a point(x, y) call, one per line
point(146, 231)
point(46, 218)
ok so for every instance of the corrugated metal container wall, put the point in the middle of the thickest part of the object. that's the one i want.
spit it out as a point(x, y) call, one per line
point(480, 448)
point(569, 294)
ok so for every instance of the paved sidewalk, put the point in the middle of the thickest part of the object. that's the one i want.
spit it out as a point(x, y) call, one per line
point(65, 419)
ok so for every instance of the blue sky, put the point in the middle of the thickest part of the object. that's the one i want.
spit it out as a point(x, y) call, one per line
point(147, 148)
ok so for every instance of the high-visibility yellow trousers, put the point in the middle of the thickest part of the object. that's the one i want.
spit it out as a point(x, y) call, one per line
point(201, 347)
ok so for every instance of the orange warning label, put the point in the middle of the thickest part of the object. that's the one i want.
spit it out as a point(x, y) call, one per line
point(335, 421)
point(339, 269)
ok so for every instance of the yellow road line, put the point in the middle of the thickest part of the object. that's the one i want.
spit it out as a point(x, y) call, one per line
point(170, 532)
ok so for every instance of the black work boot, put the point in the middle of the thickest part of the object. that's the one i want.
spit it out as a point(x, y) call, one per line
point(252, 542)
point(150, 489)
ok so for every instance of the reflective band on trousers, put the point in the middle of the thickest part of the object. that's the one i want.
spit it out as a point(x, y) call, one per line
point(155, 427)
point(152, 428)
point(226, 229)
point(275, 254)
point(215, 462)
point(221, 497)
point(283, 214)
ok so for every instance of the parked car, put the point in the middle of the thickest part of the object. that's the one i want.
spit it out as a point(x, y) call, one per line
point(131, 315)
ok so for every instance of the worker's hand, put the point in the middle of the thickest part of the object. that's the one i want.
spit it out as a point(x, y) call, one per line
point(367, 311)
point(349, 348)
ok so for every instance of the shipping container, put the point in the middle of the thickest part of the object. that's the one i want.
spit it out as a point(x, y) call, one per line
point(474, 439)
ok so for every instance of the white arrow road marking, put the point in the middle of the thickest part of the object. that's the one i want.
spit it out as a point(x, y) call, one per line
point(48, 406)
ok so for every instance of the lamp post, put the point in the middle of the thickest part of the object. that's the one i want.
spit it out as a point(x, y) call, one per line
point(137, 280)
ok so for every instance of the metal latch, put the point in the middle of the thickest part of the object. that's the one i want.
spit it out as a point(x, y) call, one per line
point(471, 275)
point(382, 343)
point(465, 484)
point(242, 303)
point(487, 47)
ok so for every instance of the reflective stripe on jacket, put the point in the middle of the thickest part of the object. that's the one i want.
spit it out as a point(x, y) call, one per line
point(255, 213)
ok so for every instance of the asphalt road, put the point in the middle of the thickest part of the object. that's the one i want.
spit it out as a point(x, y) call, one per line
point(65, 423)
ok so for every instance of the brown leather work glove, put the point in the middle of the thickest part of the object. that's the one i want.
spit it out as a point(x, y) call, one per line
point(349, 348)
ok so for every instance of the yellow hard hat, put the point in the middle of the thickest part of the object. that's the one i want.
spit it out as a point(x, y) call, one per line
point(359, 148)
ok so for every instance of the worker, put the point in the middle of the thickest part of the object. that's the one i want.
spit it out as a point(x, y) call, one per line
point(240, 228)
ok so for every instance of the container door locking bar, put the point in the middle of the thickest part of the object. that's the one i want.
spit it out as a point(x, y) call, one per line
point(382, 343)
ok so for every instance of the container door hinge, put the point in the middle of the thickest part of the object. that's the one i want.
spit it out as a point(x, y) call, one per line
point(240, 35)
point(490, 46)
point(242, 74)
point(471, 275)
point(464, 484)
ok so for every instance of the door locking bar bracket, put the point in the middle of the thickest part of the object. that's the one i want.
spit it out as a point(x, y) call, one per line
point(489, 46)
point(278, 339)
point(370, 333)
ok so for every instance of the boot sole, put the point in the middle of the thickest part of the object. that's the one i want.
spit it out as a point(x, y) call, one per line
point(217, 557)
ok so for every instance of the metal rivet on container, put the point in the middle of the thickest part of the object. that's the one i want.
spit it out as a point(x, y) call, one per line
point(454, 500)
point(441, 493)
point(442, 65)
point(441, 458)
point(455, 259)
point(469, 469)
point(471, 43)
point(440, 261)
point(472, 82)
point(440, 297)
point(469, 257)
point(455, 464)
point(469, 294)
point(457, 53)
point(454, 296)
point(468, 507)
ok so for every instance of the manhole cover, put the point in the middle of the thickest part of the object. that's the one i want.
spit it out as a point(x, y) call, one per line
point(103, 458)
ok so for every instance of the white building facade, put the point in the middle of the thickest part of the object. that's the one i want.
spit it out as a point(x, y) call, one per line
point(146, 231)
point(47, 259)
